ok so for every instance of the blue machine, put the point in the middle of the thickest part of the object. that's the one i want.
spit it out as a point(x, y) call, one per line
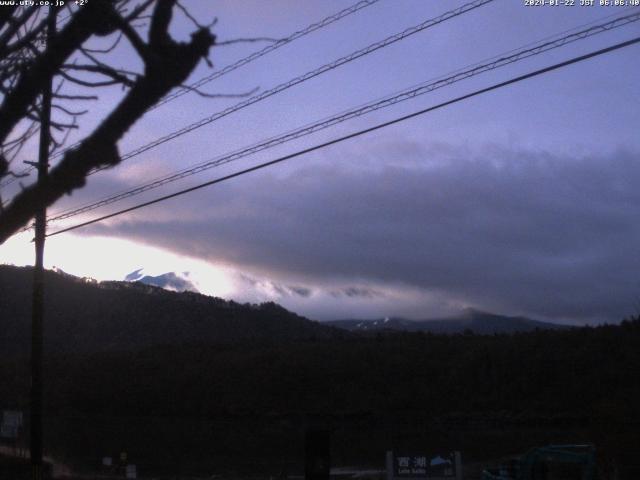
point(553, 462)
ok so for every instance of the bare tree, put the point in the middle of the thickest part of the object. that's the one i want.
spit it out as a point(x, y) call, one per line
point(28, 63)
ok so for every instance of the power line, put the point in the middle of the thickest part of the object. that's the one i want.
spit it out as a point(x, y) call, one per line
point(268, 49)
point(307, 76)
point(358, 133)
point(240, 63)
point(422, 89)
point(300, 79)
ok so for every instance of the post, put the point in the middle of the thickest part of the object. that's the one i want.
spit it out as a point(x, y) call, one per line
point(458, 465)
point(389, 464)
point(37, 314)
point(317, 463)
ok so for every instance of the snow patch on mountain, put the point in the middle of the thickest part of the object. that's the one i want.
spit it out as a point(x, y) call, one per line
point(177, 282)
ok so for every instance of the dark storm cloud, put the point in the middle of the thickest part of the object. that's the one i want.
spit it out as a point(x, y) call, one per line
point(506, 230)
point(353, 292)
point(300, 291)
point(279, 289)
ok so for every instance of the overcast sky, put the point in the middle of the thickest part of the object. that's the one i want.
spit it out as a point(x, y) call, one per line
point(520, 201)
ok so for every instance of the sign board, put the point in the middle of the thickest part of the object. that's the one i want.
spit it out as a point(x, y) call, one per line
point(131, 471)
point(12, 417)
point(8, 431)
point(423, 466)
point(12, 421)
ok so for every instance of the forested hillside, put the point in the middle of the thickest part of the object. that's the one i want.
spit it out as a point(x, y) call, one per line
point(470, 320)
point(87, 316)
point(577, 373)
point(215, 355)
point(124, 365)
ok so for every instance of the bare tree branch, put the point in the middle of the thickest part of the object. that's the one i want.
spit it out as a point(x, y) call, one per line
point(247, 40)
point(167, 65)
point(115, 75)
point(24, 41)
point(159, 29)
point(72, 113)
point(75, 97)
point(189, 16)
point(135, 14)
point(14, 26)
point(220, 95)
point(77, 31)
point(109, 49)
point(5, 15)
point(134, 39)
point(86, 83)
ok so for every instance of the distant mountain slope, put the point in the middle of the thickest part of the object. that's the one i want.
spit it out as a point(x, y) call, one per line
point(478, 322)
point(82, 315)
point(169, 281)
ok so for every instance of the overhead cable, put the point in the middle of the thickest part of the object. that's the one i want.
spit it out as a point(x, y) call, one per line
point(388, 101)
point(240, 63)
point(357, 134)
point(268, 49)
point(307, 76)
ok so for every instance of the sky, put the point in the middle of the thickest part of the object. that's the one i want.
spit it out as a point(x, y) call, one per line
point(521, 201)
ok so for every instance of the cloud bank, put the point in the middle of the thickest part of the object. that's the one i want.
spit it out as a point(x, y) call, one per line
point(424, 230)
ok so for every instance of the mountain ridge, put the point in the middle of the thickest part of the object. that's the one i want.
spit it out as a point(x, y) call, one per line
point(84, 315)
point(470, 320)
point(171, 281)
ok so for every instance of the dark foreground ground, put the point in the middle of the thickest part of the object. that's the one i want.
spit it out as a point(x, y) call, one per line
point(238, 410)
point(169, 448)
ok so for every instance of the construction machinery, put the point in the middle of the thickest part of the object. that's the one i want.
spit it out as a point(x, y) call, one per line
point(552, 462)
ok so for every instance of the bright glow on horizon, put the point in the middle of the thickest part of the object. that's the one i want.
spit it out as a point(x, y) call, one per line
point(107, 258)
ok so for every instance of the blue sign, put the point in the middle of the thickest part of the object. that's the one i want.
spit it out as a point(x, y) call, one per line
point(424, 466)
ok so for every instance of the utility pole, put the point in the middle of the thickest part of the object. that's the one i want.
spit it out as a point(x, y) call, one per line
point(36, 438)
